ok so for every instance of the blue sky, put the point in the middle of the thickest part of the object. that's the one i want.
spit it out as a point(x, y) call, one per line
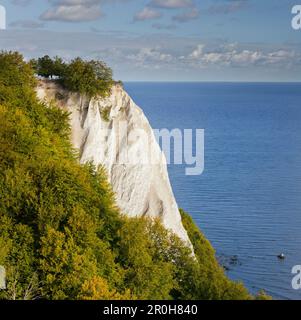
point(163, 40)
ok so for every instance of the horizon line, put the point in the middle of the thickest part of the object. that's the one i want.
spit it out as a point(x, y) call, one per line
point(209, 81)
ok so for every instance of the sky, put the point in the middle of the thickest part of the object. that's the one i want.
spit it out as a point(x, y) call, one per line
point(162, 40)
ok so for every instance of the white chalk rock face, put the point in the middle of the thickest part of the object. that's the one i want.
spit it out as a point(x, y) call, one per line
point(115, 133)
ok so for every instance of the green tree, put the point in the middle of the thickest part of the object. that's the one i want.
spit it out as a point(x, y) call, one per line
point(44, 66)
point(101, 70)
point(98, 288)
point(91, 78)
point(211, 282)
point(48, 68)
point(61, 234)
point(148, 275)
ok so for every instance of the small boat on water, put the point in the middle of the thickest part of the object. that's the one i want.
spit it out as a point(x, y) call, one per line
point(281, 256)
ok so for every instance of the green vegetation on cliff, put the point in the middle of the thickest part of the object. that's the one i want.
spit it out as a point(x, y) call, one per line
point(92, 78)
point(215, 285)
point(61, 234)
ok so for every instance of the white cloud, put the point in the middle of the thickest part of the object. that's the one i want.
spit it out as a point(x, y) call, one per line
point(228, 8)
point(197, 53)
point(147, 14)
point(162, 56)
point(232, 56)
point(187, 16)
point(74, 13)
point(75, 2)
point(171, 4)
point(146, 57)
point(191, 12)
point(73, 10)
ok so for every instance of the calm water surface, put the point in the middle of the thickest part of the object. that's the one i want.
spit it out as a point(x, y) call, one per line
point(248, 199)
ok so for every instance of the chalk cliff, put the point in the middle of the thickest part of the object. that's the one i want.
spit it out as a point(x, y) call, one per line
point(115, 133)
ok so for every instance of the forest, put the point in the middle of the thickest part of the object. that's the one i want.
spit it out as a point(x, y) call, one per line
point(62, 236)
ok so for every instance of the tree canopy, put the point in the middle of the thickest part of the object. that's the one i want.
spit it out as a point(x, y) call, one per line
point(91, 78)
point(47, 67)
point(61, 234)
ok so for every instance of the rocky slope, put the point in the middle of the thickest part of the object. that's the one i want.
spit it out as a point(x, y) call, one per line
point(115, 133)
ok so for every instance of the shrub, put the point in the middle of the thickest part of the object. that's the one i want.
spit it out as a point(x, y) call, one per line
point(105, 113)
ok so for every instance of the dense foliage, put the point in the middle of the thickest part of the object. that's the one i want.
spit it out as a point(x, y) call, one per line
point(91, 78)
point(48, 68)
point(61, 235)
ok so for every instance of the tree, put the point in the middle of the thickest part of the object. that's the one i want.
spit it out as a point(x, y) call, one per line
point(64, 265)
point(97, 288)
point(101, 70)
point(47, 67)
point(147, 275)
point(61, 233)
point(211, 282)
point(91, 78)
point(59, 67)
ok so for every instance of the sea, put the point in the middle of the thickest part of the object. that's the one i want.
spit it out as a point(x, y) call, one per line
point(248, 199)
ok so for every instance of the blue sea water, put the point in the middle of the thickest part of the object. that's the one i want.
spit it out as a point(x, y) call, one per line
point(248, 200)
